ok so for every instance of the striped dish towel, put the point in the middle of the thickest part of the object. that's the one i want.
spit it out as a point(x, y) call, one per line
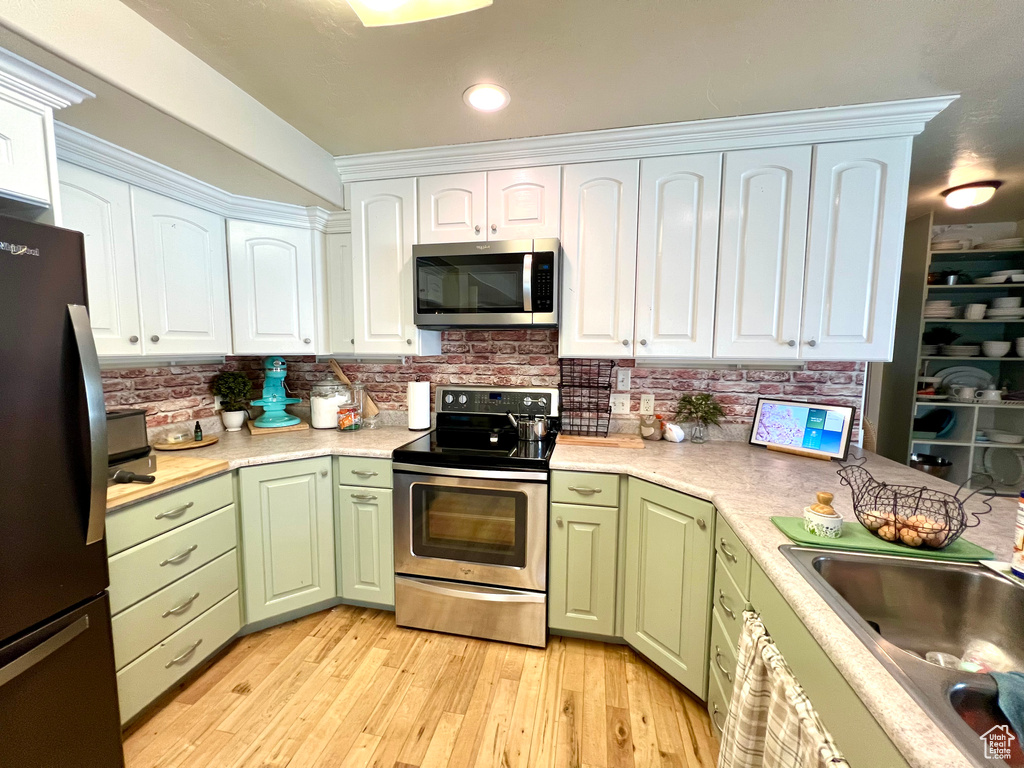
point(771, 723)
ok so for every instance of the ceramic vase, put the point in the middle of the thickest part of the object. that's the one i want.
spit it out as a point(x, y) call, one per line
point(233, 420)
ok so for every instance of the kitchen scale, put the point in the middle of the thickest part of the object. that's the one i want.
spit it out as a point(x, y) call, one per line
point(274, 396)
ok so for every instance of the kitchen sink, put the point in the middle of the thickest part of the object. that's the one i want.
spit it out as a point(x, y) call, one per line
point(901, 608)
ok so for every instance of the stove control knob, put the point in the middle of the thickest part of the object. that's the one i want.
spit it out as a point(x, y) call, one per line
point(527, 401)
point(542, 401)
point(448, 399)
point(463, 399)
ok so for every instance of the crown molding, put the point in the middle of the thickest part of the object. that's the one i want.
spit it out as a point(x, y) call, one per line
point(80, 148)
point(38, 85)
point(809, 126)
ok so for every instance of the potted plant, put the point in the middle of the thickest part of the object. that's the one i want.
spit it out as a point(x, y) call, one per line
point(235, 391)
point(702, 410)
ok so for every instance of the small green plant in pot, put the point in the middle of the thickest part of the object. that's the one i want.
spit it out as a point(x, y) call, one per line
point(701, 410)
point(235, 391)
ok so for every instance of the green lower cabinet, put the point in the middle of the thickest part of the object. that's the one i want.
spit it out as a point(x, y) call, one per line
point(581, 570)
point(287, 536)
point(366, 560)
point(668, 581)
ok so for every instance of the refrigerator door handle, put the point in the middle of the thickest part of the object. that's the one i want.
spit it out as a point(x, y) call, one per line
point(25, 662)
point(97, 421)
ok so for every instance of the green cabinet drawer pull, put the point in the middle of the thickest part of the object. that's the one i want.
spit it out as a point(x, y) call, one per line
point(180, 556)
point(718, 663)
point(176, 512)
point(726, 608)
point(584, 489)
point(724, 549)
point(716, 711)
point(364, 473)
point(181, 607)
point(364, 496)
point(185, 655)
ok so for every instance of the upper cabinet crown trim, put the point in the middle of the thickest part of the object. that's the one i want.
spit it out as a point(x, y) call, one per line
point(807, 126)
point(38, 85)
point(83, 149)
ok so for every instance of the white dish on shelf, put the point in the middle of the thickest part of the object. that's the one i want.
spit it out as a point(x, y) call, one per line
point(1007, 439)
point(929, 350)
point(963, 350)
point(933, 397)
point(950, 245)
point(995, 348)
point(993, 280)
point(1007, 272)
point(1004, 314)
point(1005, 465)
point(1007, 302)
point(965, 376)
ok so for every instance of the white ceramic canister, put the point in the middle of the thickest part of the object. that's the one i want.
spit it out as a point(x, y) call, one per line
point(325, 398)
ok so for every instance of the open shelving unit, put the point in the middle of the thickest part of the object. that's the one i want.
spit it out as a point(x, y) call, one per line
point(900, 405)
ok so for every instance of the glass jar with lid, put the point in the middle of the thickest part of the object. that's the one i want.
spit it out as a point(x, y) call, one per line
point(325, 398)
point(350, 416)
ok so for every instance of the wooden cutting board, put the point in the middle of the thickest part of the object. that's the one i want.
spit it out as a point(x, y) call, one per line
point(302, 425)
point(612, 441)
point(171, 470)
point(186, 444)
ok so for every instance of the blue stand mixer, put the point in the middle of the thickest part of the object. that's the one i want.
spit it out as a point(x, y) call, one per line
point(274, 398)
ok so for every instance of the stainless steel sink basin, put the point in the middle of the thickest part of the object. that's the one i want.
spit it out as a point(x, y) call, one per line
point(902, 608)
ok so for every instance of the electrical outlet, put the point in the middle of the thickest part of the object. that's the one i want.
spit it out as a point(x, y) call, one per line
point(216, 403)
point(622, 377)
point(620, 403)
point(646, 405)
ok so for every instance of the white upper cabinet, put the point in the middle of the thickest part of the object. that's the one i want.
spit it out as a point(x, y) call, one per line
point(854, 253)
point(341, 322)
point(677, 256)
point(383, 232)
point(100, 208)
point(523, 203)
point(183, 278)
point(453, 209)
point(599, 219)
point(24, 169)
point(761, 253)
point(499, 205)
point(273, 306)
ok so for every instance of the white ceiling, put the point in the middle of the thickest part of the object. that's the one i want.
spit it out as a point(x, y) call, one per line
point(575, 65)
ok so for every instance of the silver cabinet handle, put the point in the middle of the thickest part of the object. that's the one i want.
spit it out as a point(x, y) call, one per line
point(28, 660)
point(176, 512)
point(716, 711)
point(477, 229)
point(494, 227)
point(643, 342)
point(718, 663)
point(323, 473)
point(307, 341)
point(409, 342)
point(154, 338)
point(625, 342)
point(364, 473)
point(701, 524)
point(364, 496)
point(558, 522)
point(724, 549)
point(180, 556)
point(791, 343)
point(812, 343)
point(181, 607)
point(133, 339)
point(726, 608)
point(178, 659)
point(584, 489)
point(96, 421)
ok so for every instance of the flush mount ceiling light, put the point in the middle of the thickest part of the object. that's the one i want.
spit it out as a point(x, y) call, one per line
point(969, 195)
point(486, 97)
point(383, 13)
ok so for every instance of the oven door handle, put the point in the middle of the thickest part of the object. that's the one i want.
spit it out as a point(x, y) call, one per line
point(504, 596)
point(479, 474)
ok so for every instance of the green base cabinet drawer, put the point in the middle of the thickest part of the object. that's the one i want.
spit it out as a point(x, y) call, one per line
point(134, 524)
point(365, 544)
point(734, 556)
point(144, 569)
point(154, 672)
point(582, 573)
point(146, 623)
point(357, 470)
point(729, 603)
point(718, 706)
point(585, 488)
point(723, 655)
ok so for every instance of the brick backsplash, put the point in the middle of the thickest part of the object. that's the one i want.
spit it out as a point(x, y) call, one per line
point(513, 358)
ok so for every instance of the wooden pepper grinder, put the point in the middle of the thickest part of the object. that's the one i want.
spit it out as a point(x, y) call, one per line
point(824, 505)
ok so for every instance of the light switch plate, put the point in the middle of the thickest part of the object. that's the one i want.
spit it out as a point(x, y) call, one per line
point(646, 405)
point(620, 403)
point(622, 377)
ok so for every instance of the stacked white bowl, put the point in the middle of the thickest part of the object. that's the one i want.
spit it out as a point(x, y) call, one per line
point(995, 348)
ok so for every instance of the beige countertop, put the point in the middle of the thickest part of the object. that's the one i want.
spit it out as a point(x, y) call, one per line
point(748, 485)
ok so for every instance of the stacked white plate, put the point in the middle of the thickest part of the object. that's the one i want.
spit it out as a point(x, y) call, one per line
point(930, 350)
point(1008, 313)
point(961, 350)
point(996, 245)
point(939, 309)
point(950, 245)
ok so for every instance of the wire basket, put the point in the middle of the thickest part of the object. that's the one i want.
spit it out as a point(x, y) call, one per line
point(585, 396)
point(907, 514)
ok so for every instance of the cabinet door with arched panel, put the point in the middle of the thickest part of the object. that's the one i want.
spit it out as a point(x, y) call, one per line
point(524, 203)
point(452, 208)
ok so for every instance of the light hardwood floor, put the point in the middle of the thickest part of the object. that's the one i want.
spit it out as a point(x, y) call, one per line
point(346, 688)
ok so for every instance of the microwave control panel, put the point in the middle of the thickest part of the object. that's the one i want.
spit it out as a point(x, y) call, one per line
point(543, 282)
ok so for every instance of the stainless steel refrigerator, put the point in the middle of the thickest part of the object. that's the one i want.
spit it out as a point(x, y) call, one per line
point(58, 690)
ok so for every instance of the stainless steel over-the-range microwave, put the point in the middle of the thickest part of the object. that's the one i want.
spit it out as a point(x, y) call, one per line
point(483, 285)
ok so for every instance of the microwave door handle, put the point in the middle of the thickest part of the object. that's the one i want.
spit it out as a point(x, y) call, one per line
point(96, 421)
point(528, 282)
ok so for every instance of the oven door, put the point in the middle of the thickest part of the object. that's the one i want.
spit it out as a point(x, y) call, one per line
point(479, 526)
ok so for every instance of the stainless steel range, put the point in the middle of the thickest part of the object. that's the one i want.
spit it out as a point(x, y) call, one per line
point(471, 515)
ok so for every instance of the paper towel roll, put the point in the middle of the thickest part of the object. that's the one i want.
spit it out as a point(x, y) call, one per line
point(417, 396)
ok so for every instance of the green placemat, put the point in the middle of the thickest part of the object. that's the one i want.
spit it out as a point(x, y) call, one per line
point(857, 537)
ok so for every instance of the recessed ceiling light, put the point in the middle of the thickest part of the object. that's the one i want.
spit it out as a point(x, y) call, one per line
point(969, 195)
point(383, 13)
point(486, 97)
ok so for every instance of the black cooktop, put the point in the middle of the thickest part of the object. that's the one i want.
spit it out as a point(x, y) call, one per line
point(497, 447)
